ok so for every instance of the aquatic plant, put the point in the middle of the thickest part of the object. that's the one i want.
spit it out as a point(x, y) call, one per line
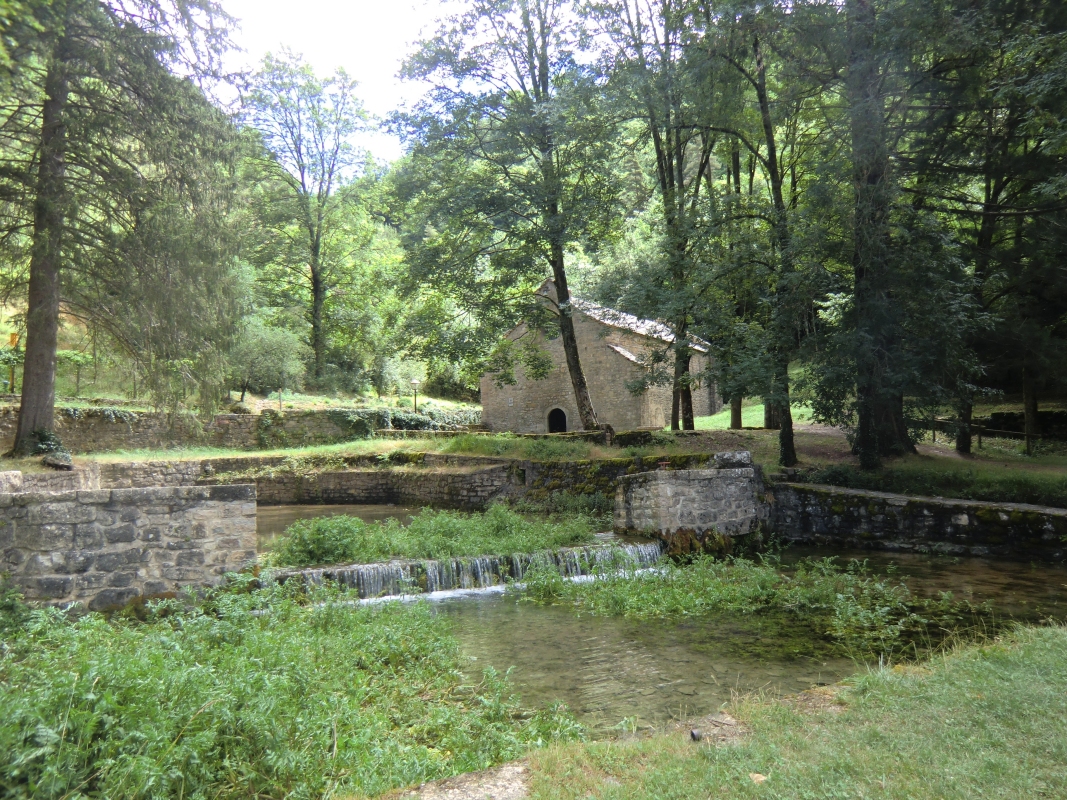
point(250, 693)
point(861, 613)
point(430, 534)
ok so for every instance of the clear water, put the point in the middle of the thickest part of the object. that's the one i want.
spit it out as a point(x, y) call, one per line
point(1028, 592)
point(649, 672)
point(608, 669)
point(271, 521)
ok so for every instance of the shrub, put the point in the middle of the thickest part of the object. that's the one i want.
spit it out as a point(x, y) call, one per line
point(430, 534)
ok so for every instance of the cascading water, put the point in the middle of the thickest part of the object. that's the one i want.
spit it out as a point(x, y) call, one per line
point(477, 572)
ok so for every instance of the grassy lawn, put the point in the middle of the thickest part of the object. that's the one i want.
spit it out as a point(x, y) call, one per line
point(430, 534)
point(751, 417)
point(979, 721)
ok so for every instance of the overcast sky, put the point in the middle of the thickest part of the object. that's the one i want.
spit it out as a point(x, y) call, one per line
point(369, 38)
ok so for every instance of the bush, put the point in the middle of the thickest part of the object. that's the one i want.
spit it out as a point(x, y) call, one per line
point(430, 534)
point(249, 694)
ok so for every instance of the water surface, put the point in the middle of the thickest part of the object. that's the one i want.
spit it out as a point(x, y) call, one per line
point(1028, 592)
point(650, 671)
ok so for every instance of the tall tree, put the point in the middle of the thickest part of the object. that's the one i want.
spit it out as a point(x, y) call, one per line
point(95, 95)
point(663, 79)
point(306, 124)
point(516, 151)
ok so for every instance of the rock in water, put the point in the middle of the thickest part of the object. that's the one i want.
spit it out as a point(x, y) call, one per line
point(58, 460)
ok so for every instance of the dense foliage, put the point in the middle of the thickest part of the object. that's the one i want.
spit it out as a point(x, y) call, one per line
point(429, 534)
point(249, 694)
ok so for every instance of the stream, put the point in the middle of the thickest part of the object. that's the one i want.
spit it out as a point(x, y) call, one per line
point(608, 669)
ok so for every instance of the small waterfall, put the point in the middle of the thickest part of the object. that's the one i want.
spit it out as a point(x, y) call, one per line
point(474, 572)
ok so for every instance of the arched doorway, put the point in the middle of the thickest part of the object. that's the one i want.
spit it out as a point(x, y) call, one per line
point(557, 421)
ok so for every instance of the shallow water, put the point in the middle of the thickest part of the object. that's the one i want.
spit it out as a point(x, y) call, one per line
point(1028, 592)
point(607, 669)
point(271, 521)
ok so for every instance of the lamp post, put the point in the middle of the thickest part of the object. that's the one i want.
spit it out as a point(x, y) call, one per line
point(415, 387)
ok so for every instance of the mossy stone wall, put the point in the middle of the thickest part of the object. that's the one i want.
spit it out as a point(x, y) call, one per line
point(830, 515)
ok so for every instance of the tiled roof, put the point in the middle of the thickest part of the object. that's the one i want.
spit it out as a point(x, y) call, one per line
point(644, 327)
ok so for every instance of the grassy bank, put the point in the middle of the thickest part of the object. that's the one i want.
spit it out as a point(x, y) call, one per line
point(250, 694)
point(861, 615)
point(979, 721)
point(969, 480)
point(429, 534)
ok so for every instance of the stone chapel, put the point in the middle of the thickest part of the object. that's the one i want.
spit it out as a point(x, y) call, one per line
point(613, 347)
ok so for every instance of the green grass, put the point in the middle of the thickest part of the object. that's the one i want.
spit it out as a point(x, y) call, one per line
point(957, 478)
point(265, 694)
point(978, 721)
point(861, 615)
point(751, 417)
point(430, 534)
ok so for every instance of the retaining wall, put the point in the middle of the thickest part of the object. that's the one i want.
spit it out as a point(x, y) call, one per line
point(93, 430)
point(105, 548)
point(460, 488)
point(830, 515)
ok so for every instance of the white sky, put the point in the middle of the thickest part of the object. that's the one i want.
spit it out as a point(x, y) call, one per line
point(369, 38)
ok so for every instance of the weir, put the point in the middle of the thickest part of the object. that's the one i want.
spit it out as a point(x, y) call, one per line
point(472, 572)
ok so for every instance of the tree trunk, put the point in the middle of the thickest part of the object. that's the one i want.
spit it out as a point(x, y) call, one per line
point(676, 404)
point(787, 453)
point(685, 395)
point(776, 411)
point(881, 428)
point(42, 308)
point(1031, 425)
point(318, 303)
point(963, 426)
point(570, 344)
point(771, 418)
point(735, 412)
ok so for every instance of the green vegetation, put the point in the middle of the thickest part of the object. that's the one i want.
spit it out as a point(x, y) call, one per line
point(430, 534)
point(264, 693)
point(971, 480)
point(978, 721)
point(511, 446)
point(863, 615)
point(751, 417)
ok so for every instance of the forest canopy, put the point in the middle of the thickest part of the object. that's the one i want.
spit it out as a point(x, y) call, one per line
point(861, 206)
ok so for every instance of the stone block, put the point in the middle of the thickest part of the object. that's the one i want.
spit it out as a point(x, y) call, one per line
point(76, 561)
point(47, 587)
point(190, 558)
point(120, 534)
point(88, 535)
point(44, 537)
point(107, 599)
point(122, 579)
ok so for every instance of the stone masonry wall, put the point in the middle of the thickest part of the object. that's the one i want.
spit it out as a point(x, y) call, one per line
point(688, 508)
point(104, 548)
point(829, 515)
point(102, 429)
point(465, 489)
